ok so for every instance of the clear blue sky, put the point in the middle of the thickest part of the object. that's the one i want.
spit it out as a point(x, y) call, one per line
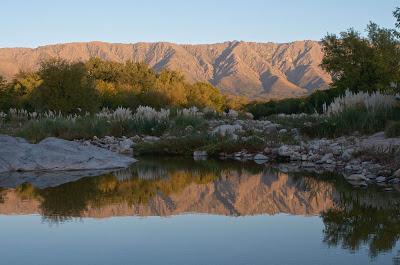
point(32, 23)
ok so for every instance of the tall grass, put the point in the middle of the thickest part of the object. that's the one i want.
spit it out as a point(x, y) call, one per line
point(119, 122)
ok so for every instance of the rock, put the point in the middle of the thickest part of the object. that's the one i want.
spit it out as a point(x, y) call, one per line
point(227, 129)
point(327, 157)
point(356, 177)
point(380, 179)
point(284, 150)
point(232, 114)
point(271, 129)
point(358, 183)
point(109, 139)
point(282, 131)
point(248, 115)
point(53, 154)
point(151, 138)
point(394, 181)
point(126, 146)
point(396, 174)
point(267, 150)
point(347, 155)
point(198, 154)
point(260, 157)
point(136, 138)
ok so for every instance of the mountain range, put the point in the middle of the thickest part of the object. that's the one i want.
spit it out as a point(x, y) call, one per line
point(253, 70)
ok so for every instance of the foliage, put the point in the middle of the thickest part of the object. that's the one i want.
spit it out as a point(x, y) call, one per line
point(370, 102)
point(393, 129)
point(64, 87)
point(364, 63)
point(311, 104)
point(120, 122)
point(204, 95)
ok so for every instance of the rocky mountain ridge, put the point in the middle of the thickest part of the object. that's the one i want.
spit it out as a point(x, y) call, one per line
point(253, 70)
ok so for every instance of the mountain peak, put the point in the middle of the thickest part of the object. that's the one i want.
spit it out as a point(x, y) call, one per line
point(251, 69)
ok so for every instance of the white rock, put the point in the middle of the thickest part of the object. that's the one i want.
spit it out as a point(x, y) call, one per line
point(227, 129)
point(380, 179)
point(52, 154)
point(126, 146)
point(347, 155)
point(249, 115)
point(397, 173)
point(233, 114)
point(271, 129)
point(356, 177)
point(260, 157)
point(151, 138)
point(200, 154)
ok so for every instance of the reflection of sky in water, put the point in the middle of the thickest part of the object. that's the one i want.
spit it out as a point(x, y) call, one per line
point(185, 239)
point(360, 226)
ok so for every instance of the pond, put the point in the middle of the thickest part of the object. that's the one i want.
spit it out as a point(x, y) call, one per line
point(180, 211)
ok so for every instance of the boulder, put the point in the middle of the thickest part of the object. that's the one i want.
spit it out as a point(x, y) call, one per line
point(227, 129)
point(356, 177)
point(200, 155)
point(396, 174)
point(151, 138)
point(126, 146)
point(347, 155)
point(271, 129)
point(53, 154)
point(260, 158)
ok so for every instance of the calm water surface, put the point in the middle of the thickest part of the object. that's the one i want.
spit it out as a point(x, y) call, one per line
point(175, 211)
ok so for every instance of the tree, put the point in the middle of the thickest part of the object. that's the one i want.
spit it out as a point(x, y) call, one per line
point(2, 81)
point(205, 95)
point(65, 87)
point(367, 63)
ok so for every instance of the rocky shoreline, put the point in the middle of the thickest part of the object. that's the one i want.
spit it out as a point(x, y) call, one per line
point(345, 155)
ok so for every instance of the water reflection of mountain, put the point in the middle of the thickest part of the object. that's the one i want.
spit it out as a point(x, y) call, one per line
point(174, 188)
point(352, 218)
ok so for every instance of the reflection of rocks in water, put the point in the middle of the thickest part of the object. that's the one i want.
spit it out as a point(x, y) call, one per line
point(44, 179)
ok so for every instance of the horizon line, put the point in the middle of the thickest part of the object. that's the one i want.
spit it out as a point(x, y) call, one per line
point(151, 42)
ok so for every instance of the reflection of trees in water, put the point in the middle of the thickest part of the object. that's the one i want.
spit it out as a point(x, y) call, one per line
point(132, 187)
point(1, 195)
point(363, 217)
point(360, 217)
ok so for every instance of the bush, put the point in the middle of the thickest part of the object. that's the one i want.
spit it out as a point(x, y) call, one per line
point(314, 103)
point(65, 87)
point(352, 120)
point(393, 129)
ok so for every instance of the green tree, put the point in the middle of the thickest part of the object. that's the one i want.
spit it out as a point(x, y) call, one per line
point(361, 63)
point(205, 95)
point(65, 87)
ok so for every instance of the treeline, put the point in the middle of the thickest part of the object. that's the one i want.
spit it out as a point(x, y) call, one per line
point(355, 62)
point(70, 86)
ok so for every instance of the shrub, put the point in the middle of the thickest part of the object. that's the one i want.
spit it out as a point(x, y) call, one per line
point(311, 104)
point(370, 102)
point(393, 129)
point(65, 87)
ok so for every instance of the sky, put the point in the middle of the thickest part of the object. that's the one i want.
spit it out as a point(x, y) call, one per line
point(29, 23)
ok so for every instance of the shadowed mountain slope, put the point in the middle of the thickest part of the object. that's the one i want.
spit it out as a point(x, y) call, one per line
point(254, 70)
